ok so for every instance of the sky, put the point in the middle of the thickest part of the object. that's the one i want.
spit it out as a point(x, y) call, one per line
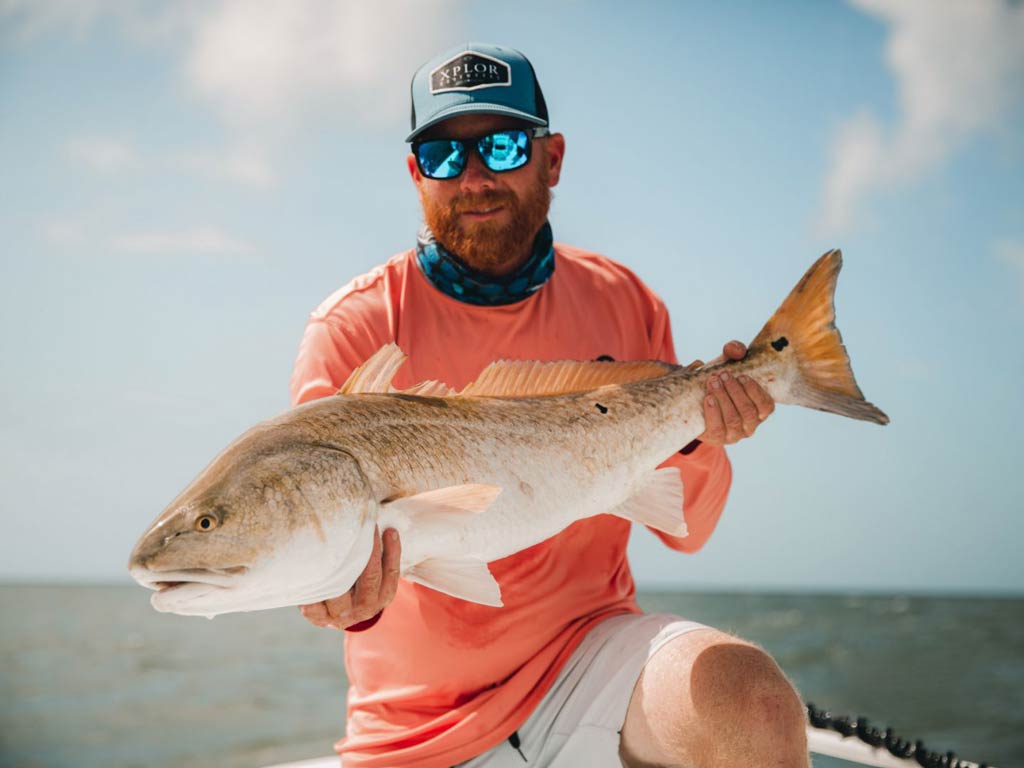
point(184, 182)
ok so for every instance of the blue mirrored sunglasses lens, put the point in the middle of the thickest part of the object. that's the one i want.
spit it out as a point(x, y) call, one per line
point(505, 150)
point(442, 159)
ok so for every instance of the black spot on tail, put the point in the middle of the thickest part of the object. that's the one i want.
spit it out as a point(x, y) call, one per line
point(601, 408)
point(780, 343)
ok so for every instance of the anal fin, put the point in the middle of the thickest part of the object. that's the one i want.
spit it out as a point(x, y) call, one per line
point(658, 503)
point(466, 578)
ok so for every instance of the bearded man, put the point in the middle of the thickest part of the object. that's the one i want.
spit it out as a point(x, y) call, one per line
point(569, 672)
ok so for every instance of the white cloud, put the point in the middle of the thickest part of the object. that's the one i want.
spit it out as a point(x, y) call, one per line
point(207, 241)
point(97, 232)
point(260, 60)
point(31, 19)
point(142, 23)
point(268, 68)
point(958, 67)
point(242, 164)
point(105, 155)
point(64, 231)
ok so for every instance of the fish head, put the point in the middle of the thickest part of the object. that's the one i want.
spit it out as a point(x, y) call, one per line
point(274, 520)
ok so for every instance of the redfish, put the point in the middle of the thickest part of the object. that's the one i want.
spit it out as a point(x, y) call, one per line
point(285, 515)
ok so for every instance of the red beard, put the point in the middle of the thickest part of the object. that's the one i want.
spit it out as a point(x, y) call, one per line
point(488, 246)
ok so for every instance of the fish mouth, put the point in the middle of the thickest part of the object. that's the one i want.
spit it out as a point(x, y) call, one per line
point(166, 581)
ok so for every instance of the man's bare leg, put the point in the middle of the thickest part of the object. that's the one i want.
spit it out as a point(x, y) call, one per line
point(709, 700)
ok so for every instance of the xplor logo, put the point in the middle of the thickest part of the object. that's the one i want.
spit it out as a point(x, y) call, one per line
point(469, 71)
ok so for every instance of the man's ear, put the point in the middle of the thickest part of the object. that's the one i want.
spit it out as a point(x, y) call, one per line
point(414, 170)
point(555, 146)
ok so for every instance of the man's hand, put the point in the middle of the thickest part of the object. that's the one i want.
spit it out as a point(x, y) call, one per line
point(734, 406)
point(374, 589)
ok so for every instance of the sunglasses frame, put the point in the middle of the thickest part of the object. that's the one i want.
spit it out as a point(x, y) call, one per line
point(537, 132)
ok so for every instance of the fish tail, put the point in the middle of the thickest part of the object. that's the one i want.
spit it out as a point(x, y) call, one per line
point(803, 334)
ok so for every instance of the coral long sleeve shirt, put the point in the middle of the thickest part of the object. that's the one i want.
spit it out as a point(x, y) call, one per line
point(439, 680)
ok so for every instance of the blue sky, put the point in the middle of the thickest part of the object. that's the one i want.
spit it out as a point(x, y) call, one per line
point(184, 182)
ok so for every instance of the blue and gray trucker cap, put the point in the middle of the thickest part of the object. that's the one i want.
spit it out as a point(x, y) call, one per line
point(476, 78)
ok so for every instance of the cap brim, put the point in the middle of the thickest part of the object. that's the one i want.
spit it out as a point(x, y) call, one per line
point(475, 109)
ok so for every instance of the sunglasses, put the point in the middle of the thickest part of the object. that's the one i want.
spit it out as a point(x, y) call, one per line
point(501, 151)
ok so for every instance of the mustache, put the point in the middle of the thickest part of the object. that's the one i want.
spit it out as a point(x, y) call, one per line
point(490, 199)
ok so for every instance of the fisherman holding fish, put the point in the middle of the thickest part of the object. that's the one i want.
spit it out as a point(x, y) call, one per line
point(503, 408)
point(569, 671)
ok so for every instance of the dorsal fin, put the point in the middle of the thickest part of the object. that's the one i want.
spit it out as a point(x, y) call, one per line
point(375, 374)
point(529, 378)
point(430, 388)
point(505, 378)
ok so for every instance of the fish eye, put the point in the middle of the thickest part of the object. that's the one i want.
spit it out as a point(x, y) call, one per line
point(206, 523)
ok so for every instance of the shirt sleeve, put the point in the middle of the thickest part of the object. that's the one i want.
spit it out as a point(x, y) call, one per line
point(334, 345)
point(706, 471)
point(321, 366)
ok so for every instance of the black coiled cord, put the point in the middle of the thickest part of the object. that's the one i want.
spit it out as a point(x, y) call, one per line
point(862, 729)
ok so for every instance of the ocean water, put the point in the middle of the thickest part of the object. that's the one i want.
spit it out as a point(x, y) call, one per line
point(92, 677)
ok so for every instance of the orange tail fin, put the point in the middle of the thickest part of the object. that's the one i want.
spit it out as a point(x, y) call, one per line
point(804, 329)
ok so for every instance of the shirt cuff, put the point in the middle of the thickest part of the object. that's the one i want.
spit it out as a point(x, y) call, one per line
point(689, 448)
point(362, 626)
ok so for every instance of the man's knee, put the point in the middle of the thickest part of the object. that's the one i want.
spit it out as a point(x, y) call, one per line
point(739, 687)
point(709, 699)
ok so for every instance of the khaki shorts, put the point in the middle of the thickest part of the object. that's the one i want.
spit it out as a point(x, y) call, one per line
point(578, 722)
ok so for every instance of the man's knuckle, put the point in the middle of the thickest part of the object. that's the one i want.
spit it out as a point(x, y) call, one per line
point(339, 607)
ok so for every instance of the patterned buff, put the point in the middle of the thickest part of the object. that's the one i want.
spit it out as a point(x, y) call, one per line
point(453, 278)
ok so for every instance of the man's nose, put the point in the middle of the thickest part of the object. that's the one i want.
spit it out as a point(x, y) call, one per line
point(476, 177)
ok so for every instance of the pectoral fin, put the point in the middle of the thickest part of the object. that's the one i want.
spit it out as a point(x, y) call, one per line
point(465, 578)
point(658, 503)
point(445, 505)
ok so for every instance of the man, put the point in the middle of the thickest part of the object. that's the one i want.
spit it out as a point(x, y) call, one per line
point(568, 672)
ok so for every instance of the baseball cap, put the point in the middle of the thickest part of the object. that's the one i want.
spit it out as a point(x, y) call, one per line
point(476, 78)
